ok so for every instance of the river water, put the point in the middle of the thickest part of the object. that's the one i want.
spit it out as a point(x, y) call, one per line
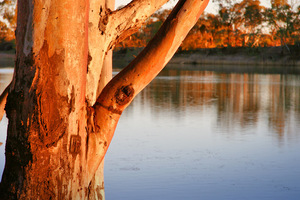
point(205, 134)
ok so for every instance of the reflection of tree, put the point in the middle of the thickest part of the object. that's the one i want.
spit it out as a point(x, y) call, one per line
point(238, 100)
point(251, 100)
point(296, 100)
point(241, 100)
point(4, 81)
point(284, 99)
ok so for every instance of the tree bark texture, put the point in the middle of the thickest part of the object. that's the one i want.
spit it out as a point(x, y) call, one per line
point(46, 104)
point(62, 105)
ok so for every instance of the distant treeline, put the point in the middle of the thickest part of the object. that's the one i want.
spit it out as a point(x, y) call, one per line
point(237, 24)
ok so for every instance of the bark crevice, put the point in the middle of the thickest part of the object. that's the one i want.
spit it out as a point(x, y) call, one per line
point(124, 94)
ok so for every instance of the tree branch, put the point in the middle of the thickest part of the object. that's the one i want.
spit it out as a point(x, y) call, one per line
point(121, 90)
point(109, 28)
point(144, 68)
point(122, 23)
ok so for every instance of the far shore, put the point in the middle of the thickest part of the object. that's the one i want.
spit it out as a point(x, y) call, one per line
point(197, 58)
point(264, 57)
point(7, 59)
point(241, 56)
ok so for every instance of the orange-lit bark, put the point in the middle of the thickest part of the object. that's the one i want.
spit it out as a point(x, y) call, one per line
point(45, 106)
point(114, 26)
point(119, 92)
point(57, 137)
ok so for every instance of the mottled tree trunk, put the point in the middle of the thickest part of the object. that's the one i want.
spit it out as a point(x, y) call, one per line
point(62, 107)
point(46, 107)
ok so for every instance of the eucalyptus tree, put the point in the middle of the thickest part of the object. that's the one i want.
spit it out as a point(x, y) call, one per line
point(7, 19)
point(253, 21)
point(62, 105)
point(282, 20)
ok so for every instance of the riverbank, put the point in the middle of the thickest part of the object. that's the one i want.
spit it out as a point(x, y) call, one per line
point(240, 56)
point(7, 59)
point(263, 56)
point(268, 56)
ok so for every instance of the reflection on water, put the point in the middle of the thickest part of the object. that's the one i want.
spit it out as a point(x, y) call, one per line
point(240, 100)
point(209, 135)
point(5, 78)
point(195, 134)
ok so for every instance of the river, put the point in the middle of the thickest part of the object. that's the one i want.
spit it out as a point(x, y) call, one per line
point(205, 134)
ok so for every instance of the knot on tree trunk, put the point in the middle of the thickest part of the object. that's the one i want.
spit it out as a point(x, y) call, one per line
point(124, 94)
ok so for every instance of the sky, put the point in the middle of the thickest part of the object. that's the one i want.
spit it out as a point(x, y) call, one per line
point(211, 8)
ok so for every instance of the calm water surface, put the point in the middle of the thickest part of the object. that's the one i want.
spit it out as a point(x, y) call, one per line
point(195, 134)
point(5, 78)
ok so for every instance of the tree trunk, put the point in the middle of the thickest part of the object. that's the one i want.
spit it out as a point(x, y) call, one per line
point(46, 141)
point(62, 111)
